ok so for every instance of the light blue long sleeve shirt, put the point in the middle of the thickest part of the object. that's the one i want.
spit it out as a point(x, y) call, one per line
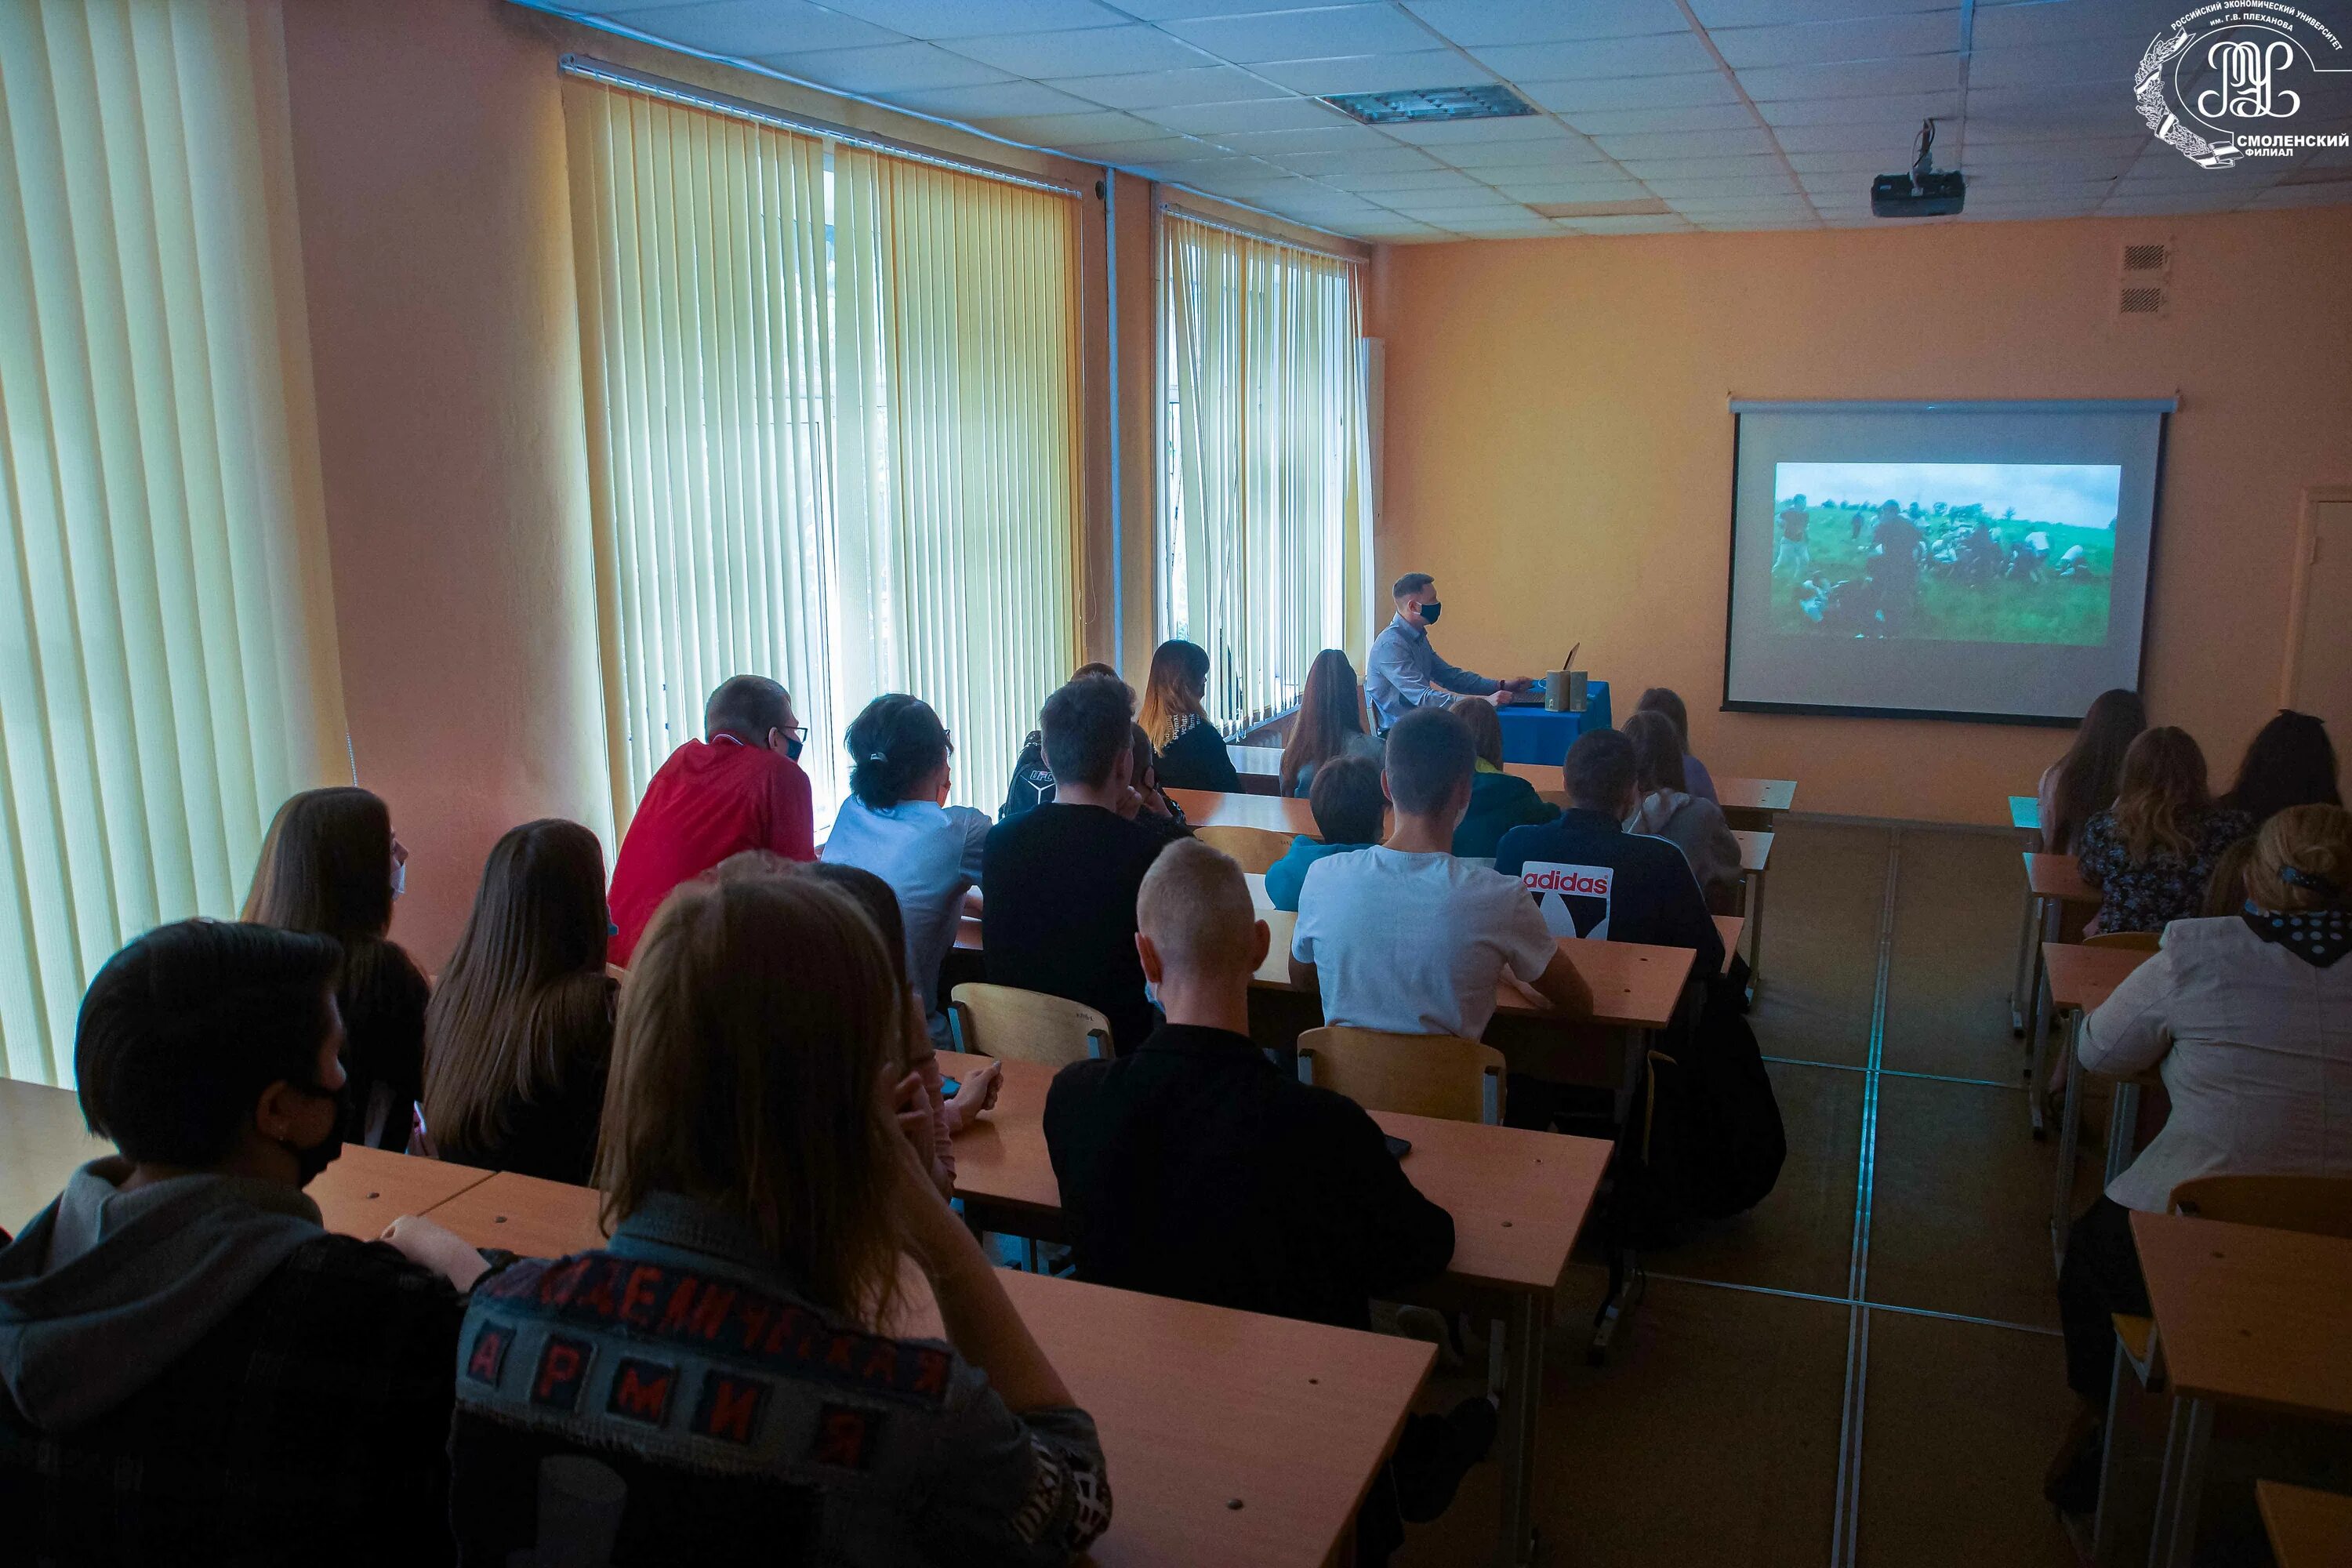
point(930, 855)
point(1405, 673)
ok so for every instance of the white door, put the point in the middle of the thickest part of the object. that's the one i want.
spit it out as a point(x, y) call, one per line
point(2323, 654)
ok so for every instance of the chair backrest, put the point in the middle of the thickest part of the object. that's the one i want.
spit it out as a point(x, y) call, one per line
point(2318, 1205)
point(1255, 848)
point(2134, 940)
point(1009, 1023)
point(1419, 1075)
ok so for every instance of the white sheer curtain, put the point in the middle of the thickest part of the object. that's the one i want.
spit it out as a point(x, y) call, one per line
point(167, 656)
point(834, 431)
point(1266, 522)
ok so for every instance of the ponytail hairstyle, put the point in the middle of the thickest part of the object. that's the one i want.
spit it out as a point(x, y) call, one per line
point(2303, 861)
point(2162, 786)
point(1179, 679)
point(894, 744)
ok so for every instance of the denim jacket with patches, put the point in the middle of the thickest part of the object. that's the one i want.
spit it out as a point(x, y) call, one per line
point(680, 1351)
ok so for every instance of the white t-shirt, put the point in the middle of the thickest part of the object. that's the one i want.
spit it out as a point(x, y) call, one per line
point(1414, 943)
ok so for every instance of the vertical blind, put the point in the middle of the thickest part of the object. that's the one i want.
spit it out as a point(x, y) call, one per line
point(1265, 517)
point(834, 431)
point(167, 660)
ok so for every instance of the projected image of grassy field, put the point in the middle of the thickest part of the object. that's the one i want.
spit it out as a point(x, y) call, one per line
point(1950, 551)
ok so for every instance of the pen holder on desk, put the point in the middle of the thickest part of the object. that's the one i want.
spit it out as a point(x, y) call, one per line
point(1564, 691)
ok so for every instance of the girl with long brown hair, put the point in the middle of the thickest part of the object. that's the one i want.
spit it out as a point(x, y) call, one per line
point(1669, 810)
point(2082, 783)
point(762, 1188)
point(1192, 753)
point(1329, 723)
point(2151, 854)
point(331, 866)
point(519, 1033)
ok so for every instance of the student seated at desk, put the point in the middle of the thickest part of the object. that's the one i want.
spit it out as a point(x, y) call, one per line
point(1592, 879)
point(1061, 879)
point(1155, 810)
point(519, 1033)
point(1406, 938)
point(897, 824)
point(1032, 781)
point(331, 866)
point(1348, 806)
point(739, 787)
point(2082, 783)
point(728, 1351)
point(2151, 854)
point(1329, 723)
point(1195, 1168)
point(1669, 811)
point(193, 1369)
point(2290, 761)
point(2244, 1017)
point(1663, 699)
point(1498, 801)
point(1192, 753)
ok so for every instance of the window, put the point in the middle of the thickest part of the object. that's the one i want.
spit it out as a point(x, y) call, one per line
point(167, 657)
point(1266, 522)
point(833, 407)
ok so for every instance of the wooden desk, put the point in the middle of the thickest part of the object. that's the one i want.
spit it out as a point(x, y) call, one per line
point(1745, 802)
point(1260, 767)
point(1518, 1201)
point(1217, 808)
point(42, 1143)
point(2247, 1316)
point(1634, 984)
point(2052, 884)
point(1198, 1406)
point(2308, 1529)
point(366, 1189)
point(2080, 978)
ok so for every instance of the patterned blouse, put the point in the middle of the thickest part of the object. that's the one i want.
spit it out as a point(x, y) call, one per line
point(2150, 893)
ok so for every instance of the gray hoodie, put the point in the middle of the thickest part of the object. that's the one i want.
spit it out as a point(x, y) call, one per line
point(105, 1290)
point(1695, 825)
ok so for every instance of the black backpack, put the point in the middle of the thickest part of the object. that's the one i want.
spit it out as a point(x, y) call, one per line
point(1706, 1140)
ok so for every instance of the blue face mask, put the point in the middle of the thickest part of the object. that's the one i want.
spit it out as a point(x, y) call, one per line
point(793, 747)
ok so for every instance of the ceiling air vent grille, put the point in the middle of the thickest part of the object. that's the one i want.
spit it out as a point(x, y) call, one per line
point(1419, 106)
point(2144, 280)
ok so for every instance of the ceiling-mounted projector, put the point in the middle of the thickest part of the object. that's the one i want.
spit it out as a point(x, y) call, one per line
point(1922, 193)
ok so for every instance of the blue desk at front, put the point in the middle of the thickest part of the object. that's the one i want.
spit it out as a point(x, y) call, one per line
point(1533, 735)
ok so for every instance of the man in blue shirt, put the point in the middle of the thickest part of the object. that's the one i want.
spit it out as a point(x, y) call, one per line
point(1405, 673)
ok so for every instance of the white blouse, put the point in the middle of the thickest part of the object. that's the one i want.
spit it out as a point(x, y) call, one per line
point(2255, 1045)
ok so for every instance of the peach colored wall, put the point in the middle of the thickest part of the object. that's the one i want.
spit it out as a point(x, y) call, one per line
point(1559, 450)
point(429, 160)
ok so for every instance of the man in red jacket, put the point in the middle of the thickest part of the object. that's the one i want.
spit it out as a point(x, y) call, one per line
point(737, 788)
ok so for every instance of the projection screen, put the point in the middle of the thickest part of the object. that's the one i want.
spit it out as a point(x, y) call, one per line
point(1972, 561)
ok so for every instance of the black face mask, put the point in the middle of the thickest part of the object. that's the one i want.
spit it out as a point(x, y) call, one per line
point(793, 747)
point(309, 1161)
point(1429, 613)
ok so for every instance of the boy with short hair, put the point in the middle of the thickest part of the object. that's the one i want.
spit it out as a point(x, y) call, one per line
point(1347, 806)
point(1404, 937)
point(191, 1367)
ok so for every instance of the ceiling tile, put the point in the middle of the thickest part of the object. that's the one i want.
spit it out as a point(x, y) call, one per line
point(1374, 73)
point(1501, 155)
point(1360, 160)
point(1447, 133)
point(1506, 224)
point(1668, 224)
point(961, 18)
point(1895, 139)
point(1088, 51)
point(1818, 43)
point(1658, 54)
point(1381, 184)
point(1096, 128)
point(1711, 85)
point(993, 100)
point(1875, 79)
point(1134, 154)
point(1686, 144)
point(1477, 22)
point(1714, 14)
point(1846, 110)
point(1335, 138)
point(1762, 166)
point(746, 28)
point(1161, 89)
point(1602, 187)
point(888, 70)
point(2038, 149)
point(2110, 63)
point(1273, 114)
point(1167, 10)
point(1843, 162)
point(1677, 190)
point(2337, 193)
point(1306, 34)
point(2023, 26)
point(2034, 110)
point(1689, 116)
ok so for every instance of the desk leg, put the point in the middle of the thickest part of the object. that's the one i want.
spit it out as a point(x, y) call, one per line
point(2040, 1070)
point(2123, 1123)
point(2020, 997)
point(2176, 1496)
point(1756, 938)
point(1522, 1403)
point(2070, 1135)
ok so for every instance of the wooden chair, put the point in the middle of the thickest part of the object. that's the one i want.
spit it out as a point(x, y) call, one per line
point(1419, 1075)
point(2130, 941)
point(1014, 1025)
point(1255, 848)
